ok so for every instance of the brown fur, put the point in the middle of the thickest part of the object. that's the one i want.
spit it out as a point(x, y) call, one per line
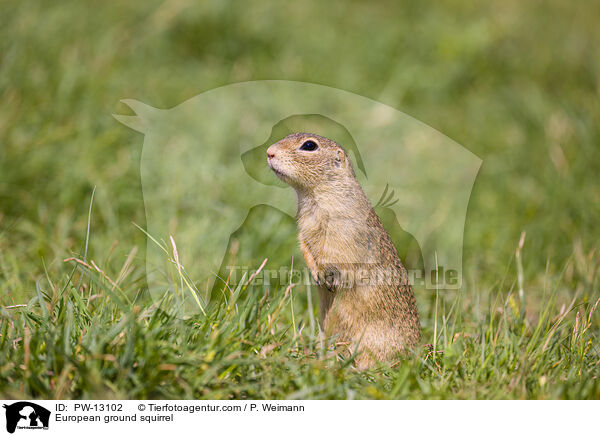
point(343, 241)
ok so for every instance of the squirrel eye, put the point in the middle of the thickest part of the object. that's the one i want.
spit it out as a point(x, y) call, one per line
point(309, 146)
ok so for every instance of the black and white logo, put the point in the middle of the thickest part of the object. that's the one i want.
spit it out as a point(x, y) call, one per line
point(26, 415)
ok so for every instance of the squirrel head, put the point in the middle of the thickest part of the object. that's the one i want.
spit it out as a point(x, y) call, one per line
point(309, 162)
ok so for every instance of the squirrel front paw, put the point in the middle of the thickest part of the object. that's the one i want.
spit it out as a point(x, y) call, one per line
point(316, 278)
point(329, 278)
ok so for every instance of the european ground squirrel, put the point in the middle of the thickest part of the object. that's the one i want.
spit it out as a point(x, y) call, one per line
point(366, 300)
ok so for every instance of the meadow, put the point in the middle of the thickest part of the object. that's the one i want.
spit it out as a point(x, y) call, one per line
point(516, 83)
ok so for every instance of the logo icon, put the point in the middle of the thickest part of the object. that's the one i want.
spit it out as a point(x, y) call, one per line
point(26, 415)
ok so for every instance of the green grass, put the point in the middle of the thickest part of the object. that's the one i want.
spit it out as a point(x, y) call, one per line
point(516, 83)
point(93, 341)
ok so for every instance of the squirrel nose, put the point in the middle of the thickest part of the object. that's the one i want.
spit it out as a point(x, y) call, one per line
point(270, 152)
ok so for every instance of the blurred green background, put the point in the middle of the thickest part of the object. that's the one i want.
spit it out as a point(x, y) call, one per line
point(515, 82)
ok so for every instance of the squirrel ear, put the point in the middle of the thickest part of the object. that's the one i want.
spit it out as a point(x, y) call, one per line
point(339, 158)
